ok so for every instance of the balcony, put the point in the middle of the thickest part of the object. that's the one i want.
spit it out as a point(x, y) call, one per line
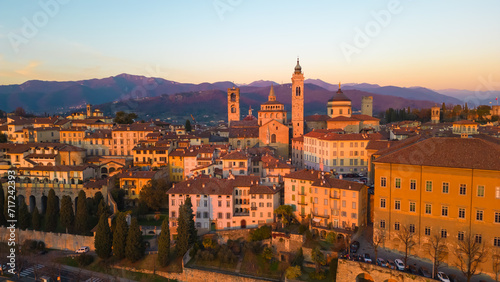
point(321, 215)
point(241, 214)
point(253, 208)
point(302, 203)
point(337, 197)
point(303, 214)
point(302, 193)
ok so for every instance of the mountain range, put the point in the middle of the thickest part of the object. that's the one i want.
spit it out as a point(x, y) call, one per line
point(161, 98)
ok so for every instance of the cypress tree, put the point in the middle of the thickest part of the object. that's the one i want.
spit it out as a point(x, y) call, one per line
point(164, 243)
point(182, 243)
point(193, 233)
point(134, 249)
point(67, 216)
point(24, 216)
point(103, 208)
point(3, 221)
point(96, 201)
point(51, 212)
point(82, 214)
point(36, 220)
point(102, 239)
point(120, 236)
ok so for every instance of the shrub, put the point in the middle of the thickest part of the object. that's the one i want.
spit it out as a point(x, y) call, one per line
point(317, 275)
point(84, 259)
point(298, 260)
point(331, 237)
point(40, 246)
point(255, 247)
point(267, 253)
point(293, 272)
point(208, 243)
point(261, 233)
point(302, 229)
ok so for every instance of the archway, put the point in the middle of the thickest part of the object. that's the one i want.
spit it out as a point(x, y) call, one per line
point(273, 138)
point(104, 170)
point(323, 234)
point(44, 204)
point(32, 203)
point(364, 277)
point(212, 226)
point(243, 223)
point(20, 200)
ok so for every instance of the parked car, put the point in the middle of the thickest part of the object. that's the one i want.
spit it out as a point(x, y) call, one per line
point(391, 264)
point(354, 247)
point(367, 258)
point(399, 264)
point(453, 278)
point(441, 276)
point(381, 262)
point(412, 269)
point(424, 272)
point(83, 250)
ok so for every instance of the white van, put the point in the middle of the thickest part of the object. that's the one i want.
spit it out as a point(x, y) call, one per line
point(83, 250)
point(46, 279)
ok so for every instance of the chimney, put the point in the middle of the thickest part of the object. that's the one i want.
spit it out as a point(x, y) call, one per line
point(274, 186)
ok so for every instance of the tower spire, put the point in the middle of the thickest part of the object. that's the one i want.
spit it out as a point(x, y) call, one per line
point(272, 96)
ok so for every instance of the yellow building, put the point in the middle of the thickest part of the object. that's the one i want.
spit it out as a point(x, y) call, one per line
point(330, 202)
point(447, 186)
point(176, 165)
point(132, 183)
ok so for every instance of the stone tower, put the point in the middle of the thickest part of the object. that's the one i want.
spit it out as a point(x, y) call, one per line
point(367, 105)
point(89, 110)
point(233, 105)
point(298, 101)
point(495, 110)
point(435, 113)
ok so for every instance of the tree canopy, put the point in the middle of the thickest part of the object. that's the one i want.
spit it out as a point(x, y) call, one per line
point(122, 117)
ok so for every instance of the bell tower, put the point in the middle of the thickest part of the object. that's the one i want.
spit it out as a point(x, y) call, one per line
point(435, 114)
point(89, 110)
point(233, 105)
point(298, 101)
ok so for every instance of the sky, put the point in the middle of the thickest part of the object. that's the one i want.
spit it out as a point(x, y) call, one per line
point(434, 44)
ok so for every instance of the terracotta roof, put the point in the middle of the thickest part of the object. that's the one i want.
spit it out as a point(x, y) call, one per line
point(330, 182)
point(245, 123)
point(42, 156)
point(249, 132)
point(465, 122)
point(262, 189)
point(378, 144)
point(299, 139)
point(101, 133)
point(95, 184)
point(305, 174)
point(137, 174)
point(235, 156)
point(56, 168)
point(212, 186)
point(342, 118)
point(470, 153)
point(365, 117)
point(329, 135)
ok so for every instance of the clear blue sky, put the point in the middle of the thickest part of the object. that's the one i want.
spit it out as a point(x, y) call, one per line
point(436, 44)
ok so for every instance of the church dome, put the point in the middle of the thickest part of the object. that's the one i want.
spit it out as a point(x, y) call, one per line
point(298, 68)
point(339, 96)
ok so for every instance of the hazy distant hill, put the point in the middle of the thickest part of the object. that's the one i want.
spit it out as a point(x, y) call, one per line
point(157, 97)
point(413, 93)
point(473, 98)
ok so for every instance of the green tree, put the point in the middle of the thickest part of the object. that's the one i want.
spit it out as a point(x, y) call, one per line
point(286, 213)
point(134, 249)
point(82, 214)
point(66, 215)
point(293, 272)
point(318, 258)
point(24, 216)
point(120, 236)
point(3, 221)
point(188, 126)
point(298, 260)
point(3, 138)
point(51, 212)
point(36, 221)
point(102, 239)
point(267, 253)
point(124, 118)
point(103, 208)
point(192, 231)
point(96, 201)
point(119, 196)
point(261, 233)
point(164, 243)
point(182, 244)
point(154, 194)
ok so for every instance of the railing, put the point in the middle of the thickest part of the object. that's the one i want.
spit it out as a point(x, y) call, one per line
point(321, 215)
point(302, 203)
point(253, 208)
point(241, 214)
point(335, 196)
point(302, 193)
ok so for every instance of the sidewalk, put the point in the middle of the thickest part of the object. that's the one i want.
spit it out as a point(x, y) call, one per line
point(95, 274)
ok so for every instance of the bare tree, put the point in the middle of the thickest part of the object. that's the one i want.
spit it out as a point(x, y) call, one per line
point(407, 238)
point(377, 240)
point(496, 263)
point(470, 253)
point(436, 248)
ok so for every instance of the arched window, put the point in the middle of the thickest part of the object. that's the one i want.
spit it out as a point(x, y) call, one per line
point(238, 143)
point(233, 97)
point(233, 109)
point(297, 91)
point(236, 193)
point(273, 138)
point(272, 115)
point(248, 143)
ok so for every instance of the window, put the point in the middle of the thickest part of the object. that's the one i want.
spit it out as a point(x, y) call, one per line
point(219, 215)
point(479, 215)
point(478, 238)
point(412, 228)
point(398, 183)
point(220, 203)
point(173, 214)
point(293, 197)
point(480, 191)
point(461, 212)
point(427, 231)
point(428, 186)
point(428, 208)
point(497, 217)
point(354, 205)
point(444, 211)
point(382, 203)
point(383, 182)
point(446, 187)
point(412, 207)
point(382, 224)
point(396, 226)
point(496, 242)
point(315, 200)
point(397, 205)
point(460, 236)
point(444, 233)
point(343, 204)
point(497, 192)
point(228, 215)
point(326, 202)
point(293, 187)
point(463, 189)
point(413, 184)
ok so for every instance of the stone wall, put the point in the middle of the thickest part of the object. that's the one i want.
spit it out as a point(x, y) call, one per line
point(349, 271)
point(52, 240)
point(225, 235)
point(287, 242)
point(195, 275)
